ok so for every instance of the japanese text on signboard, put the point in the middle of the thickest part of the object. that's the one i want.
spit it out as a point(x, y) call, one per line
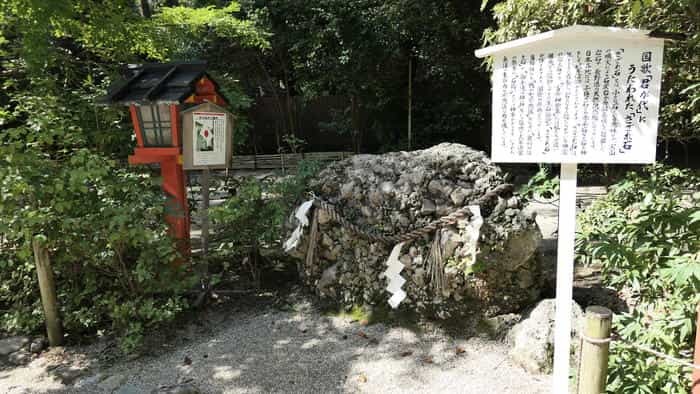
point(589, 104)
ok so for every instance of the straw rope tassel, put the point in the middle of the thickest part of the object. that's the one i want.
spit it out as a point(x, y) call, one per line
point(313, 240)
point(436, 263)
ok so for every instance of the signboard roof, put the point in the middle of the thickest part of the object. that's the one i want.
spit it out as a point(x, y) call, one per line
point(570, 32)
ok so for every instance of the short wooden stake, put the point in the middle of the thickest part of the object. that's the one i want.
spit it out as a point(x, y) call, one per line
point(47, 287)
point(594, 355)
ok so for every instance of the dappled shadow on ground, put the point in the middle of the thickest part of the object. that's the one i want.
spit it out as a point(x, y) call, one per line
point(266, 349)
point(262, 344)
point(274, 341)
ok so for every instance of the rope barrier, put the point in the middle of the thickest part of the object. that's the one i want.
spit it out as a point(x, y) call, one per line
point(617, 341)
point(596, 341)
point(415, 233)
point(664, 356)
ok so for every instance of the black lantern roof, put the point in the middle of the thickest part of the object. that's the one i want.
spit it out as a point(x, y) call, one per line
point(158, 83)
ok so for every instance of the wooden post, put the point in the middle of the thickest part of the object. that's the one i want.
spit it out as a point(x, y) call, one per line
point(47, 287)
point(410, 102)
point(205, 211)
point(565, 277)
point(696, 358)
point(594, 356)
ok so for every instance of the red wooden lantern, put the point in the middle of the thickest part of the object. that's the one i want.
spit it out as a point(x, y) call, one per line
point(156, 94)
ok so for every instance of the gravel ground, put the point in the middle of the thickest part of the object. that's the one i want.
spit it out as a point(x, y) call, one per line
point(300, 351)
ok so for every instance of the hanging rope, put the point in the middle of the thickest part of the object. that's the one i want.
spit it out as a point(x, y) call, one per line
point(436, 260)
point(313, 240)
point(414, 234)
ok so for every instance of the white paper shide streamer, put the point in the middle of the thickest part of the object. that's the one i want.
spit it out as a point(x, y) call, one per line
point(302, 217)
point(393, 277)
point(473, 230)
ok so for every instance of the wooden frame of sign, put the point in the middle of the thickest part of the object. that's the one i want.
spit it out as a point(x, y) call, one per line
point(581, 94)
point(207, 137)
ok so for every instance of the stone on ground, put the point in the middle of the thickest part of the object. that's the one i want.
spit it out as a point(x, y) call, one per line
point(397, 192)
point(12, 344)
point(532, 339)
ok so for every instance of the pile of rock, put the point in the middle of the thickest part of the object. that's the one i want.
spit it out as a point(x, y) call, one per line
point(397, 192)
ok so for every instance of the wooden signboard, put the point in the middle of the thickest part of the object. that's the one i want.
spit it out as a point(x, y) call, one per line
point(207, 132)
point(581, 94)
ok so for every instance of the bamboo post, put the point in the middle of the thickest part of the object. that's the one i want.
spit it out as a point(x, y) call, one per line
point(696, 357)
point(594, 354)
point(47, 288)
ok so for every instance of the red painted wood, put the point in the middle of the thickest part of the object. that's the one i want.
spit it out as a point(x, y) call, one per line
point(175, 124)
point(177, 214)
point(137, 126)
point(205, 86)
point(173, 176)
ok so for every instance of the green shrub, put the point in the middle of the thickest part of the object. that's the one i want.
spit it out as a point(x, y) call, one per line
point(109, 247)
point(254, 217)
point(646, 234)
point(542, 185)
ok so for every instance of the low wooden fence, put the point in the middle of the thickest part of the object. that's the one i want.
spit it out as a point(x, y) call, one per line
point(595, 348)
point(283, 160)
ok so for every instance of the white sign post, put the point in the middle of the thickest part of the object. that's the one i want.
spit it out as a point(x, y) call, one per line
point(207, 144)
point(581, 94)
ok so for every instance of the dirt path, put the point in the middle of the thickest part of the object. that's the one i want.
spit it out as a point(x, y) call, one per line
point(274, 351)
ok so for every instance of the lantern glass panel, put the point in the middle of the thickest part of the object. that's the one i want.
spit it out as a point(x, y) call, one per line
point(155, 125)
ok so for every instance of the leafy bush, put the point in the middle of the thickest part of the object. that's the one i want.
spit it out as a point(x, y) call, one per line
point(109, 247)
point(646, 234)
point(542, 185)
point(255, 216)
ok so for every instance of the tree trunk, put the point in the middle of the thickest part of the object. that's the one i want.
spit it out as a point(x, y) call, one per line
point(145, 9)
point(270, 81)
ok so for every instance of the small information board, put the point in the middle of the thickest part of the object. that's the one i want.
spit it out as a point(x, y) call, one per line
point(581, 94)
point(207, 137)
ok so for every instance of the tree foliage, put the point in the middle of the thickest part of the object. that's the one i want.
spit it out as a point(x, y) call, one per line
point(62, 161)
point(362, 49)
point(646, 235)
point(680, 96)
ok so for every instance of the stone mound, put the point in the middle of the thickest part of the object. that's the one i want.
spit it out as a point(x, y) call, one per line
point(397, 192)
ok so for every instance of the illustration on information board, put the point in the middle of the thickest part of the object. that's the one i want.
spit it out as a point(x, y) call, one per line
point(209, 138)
point(205, 136)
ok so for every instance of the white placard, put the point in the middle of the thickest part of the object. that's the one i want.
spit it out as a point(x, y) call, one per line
point(577, 101)
point(209, 138)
